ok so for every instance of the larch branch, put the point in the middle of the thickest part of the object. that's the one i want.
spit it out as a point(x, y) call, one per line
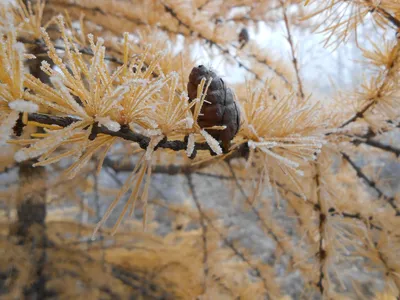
point(124, 133)
point(390, 200)
point(300, 91)
point(203, 228)
point(376, 144)
point(321, 254)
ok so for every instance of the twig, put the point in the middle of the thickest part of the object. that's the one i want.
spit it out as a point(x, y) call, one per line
point(321, 227)
point(85, 51)
point(372, 184)
point(204, 4)
point(294, 59)
point(376, 144)
point(387, 15)
point(234, 249)
point(355, 216)
point(167, 169)
point(211, 42)
point(204, 230)
point(372, 101)
point(124, 133)
point(257, 214)
point(359, 114)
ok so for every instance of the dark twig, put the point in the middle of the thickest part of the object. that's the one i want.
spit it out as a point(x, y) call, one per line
point(376, 144)
point(167, 169)
point(358, 115)
point(372, 184)
point(321, 255)
point(355, 216)
point(203, 228)
point(383, 12)
point(85, 51)
point(124, 133)
point(372, 101)
point(234, 249)
point(257, 214)
point(300, 91)
point(212, 43)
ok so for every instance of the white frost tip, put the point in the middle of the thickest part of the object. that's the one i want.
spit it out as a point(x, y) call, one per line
point(162, 53)
point(213, 143)
point(19, 47)
point(20, 156)
point(6, 126)
point(100, 40)
point(45, 64)
point(108, 123)
point(251, 144)
point(152, 132)
point(190, 145)
point(153, 143)
point(174, 75)
point(189, 122)
point(23, 106)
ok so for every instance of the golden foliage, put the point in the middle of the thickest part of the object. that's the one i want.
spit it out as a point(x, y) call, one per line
point(113, 98)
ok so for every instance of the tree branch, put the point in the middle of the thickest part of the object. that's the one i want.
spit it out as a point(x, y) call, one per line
point(300, 91)
point(124, 133)
point(390, 200)
point(321, 228)
point(203, 228)
point(376, 144)
point(386, 14)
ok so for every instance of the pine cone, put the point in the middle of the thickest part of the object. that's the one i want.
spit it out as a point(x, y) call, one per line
point(222, 109)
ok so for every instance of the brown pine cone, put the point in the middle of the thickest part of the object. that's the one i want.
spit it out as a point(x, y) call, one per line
point(222, 109)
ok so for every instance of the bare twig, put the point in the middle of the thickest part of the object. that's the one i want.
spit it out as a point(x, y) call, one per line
point(234, 249)
point(390, 200)
point(383, 12)
point(376, 144)
point(359, 114)
point(85, 51)
point(203, 228)
point(300, 91)
point(372, 101)
point(257, 214)
point(321, 227)
point(355, 216)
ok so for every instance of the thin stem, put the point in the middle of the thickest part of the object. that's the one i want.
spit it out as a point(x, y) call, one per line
point(203, 228)
point(390, 200)
point(300, 91)
point(322, 254)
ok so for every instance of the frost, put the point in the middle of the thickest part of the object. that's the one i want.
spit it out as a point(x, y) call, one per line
point(23, 106)
point(213, 143)
point(251, 144)
point(284, 160)
point(19, 47)
point(189, 122)
point(190, 145)
point(100, 40)
point(108, 123)
point(6, 126)
point(152, 132)
point(139, 81)
point(43, 146)
point(58, 83)
point(174, 75)
point(153, 143)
